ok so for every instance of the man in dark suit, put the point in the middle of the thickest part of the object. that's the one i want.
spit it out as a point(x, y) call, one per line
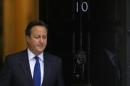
point(19, 68)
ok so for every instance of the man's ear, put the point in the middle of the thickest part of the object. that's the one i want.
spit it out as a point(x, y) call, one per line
point(27, 38)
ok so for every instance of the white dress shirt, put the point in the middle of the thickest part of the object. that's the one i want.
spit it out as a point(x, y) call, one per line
point(32, 62)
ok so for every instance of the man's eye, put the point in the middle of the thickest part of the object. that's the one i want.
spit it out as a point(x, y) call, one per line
point(44, 37)
point(36, 37)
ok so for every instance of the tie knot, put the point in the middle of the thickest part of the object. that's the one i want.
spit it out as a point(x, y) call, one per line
point(36, 58)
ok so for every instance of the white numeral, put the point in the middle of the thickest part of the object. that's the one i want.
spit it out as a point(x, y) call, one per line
point(81, 7)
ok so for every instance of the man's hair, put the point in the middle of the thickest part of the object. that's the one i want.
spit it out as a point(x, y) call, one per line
point(32, 24)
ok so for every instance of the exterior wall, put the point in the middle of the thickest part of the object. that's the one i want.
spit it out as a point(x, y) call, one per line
point(16, 15)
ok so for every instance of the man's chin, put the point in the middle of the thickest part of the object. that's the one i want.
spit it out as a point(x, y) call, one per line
point(40, 50)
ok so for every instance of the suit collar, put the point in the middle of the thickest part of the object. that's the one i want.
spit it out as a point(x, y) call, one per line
point(32, 55)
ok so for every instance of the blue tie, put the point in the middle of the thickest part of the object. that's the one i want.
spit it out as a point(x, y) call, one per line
point(37, 72)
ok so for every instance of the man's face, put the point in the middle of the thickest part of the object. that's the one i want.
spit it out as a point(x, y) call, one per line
point(38, 39)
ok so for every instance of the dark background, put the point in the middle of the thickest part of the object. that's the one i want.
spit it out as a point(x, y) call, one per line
point(104, 20)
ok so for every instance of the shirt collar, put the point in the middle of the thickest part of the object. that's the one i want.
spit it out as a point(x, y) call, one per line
point(32, 55)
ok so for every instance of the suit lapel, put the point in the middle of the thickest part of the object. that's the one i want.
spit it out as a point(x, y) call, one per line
point(46, 69)
point(26, 68)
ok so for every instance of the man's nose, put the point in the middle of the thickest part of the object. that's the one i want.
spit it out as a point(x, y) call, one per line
point(41, 40)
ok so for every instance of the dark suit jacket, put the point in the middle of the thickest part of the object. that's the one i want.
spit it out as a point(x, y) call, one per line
point(16, 71)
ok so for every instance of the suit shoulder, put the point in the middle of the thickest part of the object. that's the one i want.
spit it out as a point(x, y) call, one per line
point(52, 56)
point(14, 55)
